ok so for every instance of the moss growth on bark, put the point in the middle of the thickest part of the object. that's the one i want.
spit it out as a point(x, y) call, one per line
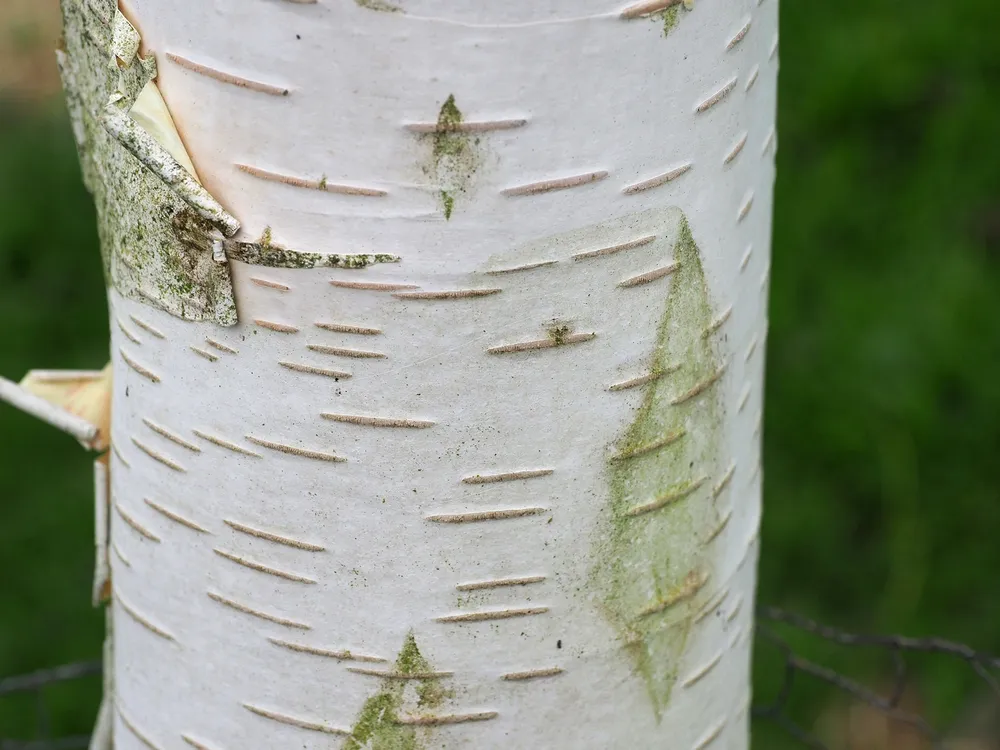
point(455, 156)
point(652, 564)
point(378, 726)
point(379, 5)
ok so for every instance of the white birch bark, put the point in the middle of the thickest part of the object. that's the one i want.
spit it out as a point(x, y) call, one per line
point(478, 465)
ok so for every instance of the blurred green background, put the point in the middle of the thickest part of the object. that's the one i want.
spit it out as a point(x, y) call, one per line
point(882, 427)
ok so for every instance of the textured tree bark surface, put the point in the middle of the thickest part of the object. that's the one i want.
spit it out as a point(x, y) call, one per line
point(455, 443)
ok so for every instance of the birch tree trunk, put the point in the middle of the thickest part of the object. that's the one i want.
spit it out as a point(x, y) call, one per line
point(437, 342)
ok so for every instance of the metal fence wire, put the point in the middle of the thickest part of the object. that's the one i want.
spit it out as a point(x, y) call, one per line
point(36, 683)
point(771, 623)
point(889, 702)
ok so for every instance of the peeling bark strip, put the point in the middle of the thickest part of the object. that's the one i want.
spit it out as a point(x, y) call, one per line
point(159, 161)
point(270, 255)
point(157, 223)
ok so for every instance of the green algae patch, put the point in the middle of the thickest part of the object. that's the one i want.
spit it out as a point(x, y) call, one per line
point(558, 333)
point(448, 203)
point(670, 18)
point(652, 566)
point(376, 727)
point(379, 5)
point(454, 157)
point(410, 661)
point(406, 693)
point(652, 555)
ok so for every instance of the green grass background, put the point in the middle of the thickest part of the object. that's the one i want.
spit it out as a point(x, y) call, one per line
point(882, 426)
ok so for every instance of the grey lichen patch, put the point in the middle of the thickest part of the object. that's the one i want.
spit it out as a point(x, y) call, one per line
point(265, 252)
point(651, 564)
point(379, 5)
point(377, 726)
point(155, 246)
point(455, 156)
point(124, 41)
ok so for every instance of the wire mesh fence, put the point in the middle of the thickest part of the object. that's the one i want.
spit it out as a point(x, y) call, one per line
point(886, 700)
point(36, 685)
point(772, 629)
